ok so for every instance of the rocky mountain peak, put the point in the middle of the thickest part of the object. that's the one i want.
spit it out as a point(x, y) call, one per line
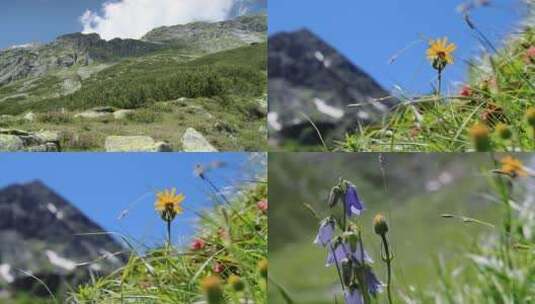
point(309, 76)
point(42, 233)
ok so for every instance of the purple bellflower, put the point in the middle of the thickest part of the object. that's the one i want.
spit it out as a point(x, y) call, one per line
point(353, 204)
point(326, 232)
point(352, 296)
point(342, 252)
point(374, 285)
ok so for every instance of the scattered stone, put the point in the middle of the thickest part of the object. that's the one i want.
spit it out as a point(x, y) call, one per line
point(10, 143)
point(98, 112)
point(6, 117)
point(70, 86)
point(135, 144)
point(122, 114)
point(12, 140)
point(193, 141)
point(30, 116)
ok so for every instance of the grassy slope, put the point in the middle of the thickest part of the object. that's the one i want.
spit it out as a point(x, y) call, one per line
point(172, 276)
point(150, 82)
point(503, 88)
point(418, 233)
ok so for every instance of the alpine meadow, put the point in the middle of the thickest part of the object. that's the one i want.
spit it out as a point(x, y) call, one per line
point(199, 86)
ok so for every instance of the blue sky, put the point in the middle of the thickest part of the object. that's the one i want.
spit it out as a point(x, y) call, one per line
point(371, 32)
point(103, 185)
point(25, 21)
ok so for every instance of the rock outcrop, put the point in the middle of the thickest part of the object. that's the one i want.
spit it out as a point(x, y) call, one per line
point(12, 140)
point(193, 141)
point(66, 51)
point(309, 79)
point(212, 37)
point(42, 233)
point(135, 144)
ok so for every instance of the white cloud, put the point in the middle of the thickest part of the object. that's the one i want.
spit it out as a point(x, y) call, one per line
point(134, 18)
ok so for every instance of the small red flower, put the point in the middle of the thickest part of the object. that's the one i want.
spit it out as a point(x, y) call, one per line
point(530, 54)
point(466, 91)
point(262, 205)
point(218, 268)
point(197, 244)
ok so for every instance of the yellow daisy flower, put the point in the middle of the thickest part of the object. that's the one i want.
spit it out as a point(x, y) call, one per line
point(168, 203)
point(513, 167)
point(440, 53)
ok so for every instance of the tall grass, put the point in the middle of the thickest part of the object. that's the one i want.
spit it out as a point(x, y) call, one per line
point(234, 242)
point(498, 95)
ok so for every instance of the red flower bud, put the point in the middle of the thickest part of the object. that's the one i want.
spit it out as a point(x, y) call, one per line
point(197, 244)
point(262, 205)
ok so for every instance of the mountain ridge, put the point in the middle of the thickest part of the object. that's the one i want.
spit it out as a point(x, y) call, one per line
point(70, 49)
point(43, 234)
point(309, 76)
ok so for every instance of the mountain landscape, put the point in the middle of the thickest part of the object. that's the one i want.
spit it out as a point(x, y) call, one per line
point(163, 92)
point(310, 80)
point(44, 241)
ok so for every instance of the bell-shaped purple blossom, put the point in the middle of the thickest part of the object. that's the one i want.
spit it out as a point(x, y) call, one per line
point(342, 253)
point(339, 252)
point(353, 204)
point(325, 233)
point(352, 296)
point(361, 255)
point(374, 285)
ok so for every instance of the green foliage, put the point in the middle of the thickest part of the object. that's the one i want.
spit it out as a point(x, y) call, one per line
point(136, 83)
point(501, 269)
point(235, 238)
point(144, 116)
point(54, 118)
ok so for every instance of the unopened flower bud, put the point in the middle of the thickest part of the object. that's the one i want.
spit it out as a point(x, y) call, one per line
point(530, 115)
point(504, 131)
point(236, 283)
point(334, 196)
point(380, 225)
point(347, 272)
point(480, 136)
point(213, 290)
point(263, 268)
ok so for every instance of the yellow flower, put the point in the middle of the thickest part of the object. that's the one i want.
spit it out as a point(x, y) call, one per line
point(168, 204)
point(211, 286)
point(512, 167)
point(480, 136)
point(440, 53)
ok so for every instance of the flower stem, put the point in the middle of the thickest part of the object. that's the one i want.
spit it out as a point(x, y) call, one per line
point(439, 81)
point(337, 267)
point(388, 260)
point(169, 233)
point(362, 277)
